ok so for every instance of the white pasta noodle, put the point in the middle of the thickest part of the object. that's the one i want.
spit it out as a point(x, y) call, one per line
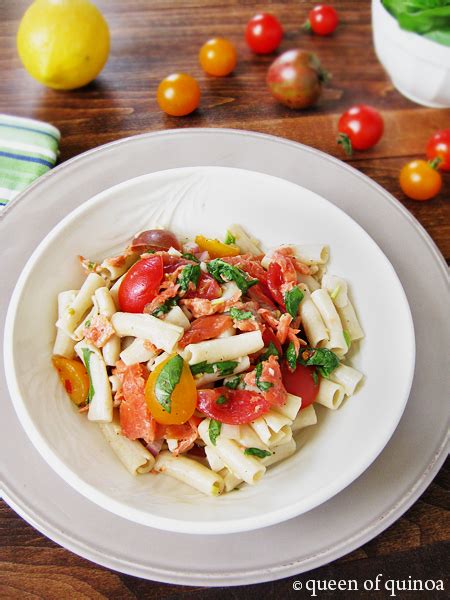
point(232, 455)
point(156, 360)
point(231, 432)
point(137, 352)
point(312, 322)
point(306, 417)
point(247, 245)
point(131, 453)
point(250, 439)
point(227, 333)
point(64, 344)
point(330, 394)
point(78, 334)
point(177, 317)
point(308, 254)
point(230, 480)
point(205, 378)
point(219, 350)
point(338, 289)
point(106, 307)
point(290, 408)
point(230, 291)
point(280, 452)
point(162, 335)
point(311, 283)
point(350, 322)
point(214, 460)
point(111, 351)
point(80, 304)
point(191, 472)
point(348, 377)
point(276, 421)
point(115, 382)
point(328, 312)
point(101, 404)
point(113, 271)
point(269, 437)
point(115, 289)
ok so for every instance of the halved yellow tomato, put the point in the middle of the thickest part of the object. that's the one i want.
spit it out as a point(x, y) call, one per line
point(74, 378)
point(170, 392)
point(215, 248)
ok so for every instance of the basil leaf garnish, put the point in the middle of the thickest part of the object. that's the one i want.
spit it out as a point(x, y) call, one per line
point(168, 378)
point(257, 452)
point(214, 430)
point(292, 299)
point(223, 272)
point(86, 358)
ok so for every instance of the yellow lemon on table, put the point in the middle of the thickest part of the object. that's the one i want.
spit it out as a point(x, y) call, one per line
point(64, 44)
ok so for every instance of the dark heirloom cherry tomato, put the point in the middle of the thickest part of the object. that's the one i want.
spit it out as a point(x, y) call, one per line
point(239, 408)
point(141, 284)
point(207, 288)
point(322, 19)
point(300, 383)
point(439, 147)
point(154, 239)
point(360, 128)
point(263, 33)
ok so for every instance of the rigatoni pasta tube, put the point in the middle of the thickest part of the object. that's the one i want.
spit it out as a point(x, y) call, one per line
point(115, 289)
point(191, 472)
point(308, 254)
point(177, 317)
point(306, 417)
point(132, 454)
point(290, 408)
point(330, 394)
point(116, 266)
point(101, 402)
point(219, 350)
point(64, 344)
point(246, 243)
point(348, 377)
point(312, 322)
point(350, 321)
point(328, 312)
point(138, 351)
point(162, 335)
point(280, 452)
point(242, 365)
point(81, 303)
point(107, 308)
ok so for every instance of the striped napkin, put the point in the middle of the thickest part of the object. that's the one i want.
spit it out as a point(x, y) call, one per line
point(28, 149)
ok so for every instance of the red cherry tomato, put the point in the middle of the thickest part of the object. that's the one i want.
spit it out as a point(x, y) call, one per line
point(260, 293)
point(322, 19)
point(206, 328)
point(439, 147)
point(207, 288)
point(141, 284)
point(239, 408)
point(360, 128)
point(274, 281)
point(301, 383)
point(154, 239)
point(263, 33)
point(268, 336)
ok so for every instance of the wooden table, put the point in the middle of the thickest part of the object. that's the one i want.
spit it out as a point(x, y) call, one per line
point(149, 41)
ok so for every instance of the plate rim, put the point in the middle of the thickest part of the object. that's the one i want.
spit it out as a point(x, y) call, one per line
point(374, 527)
point(118, 507)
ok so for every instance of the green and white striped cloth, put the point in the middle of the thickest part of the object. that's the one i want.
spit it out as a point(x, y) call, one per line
point(28, 149)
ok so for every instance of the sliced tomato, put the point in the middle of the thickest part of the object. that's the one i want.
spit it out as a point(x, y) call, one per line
point(301, 383)
point(207, 288)
point(206, 328)
point(261, 294)
point(240, 407)
point(141, 284)
point(268, 337)
point(274, 281)
point(171, 263)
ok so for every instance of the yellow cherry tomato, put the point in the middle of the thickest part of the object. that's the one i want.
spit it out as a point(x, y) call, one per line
point(215, 248)
point(420, 181)
point(170, 392)
point(218, 57)
point(74, 378)
point(178, 94)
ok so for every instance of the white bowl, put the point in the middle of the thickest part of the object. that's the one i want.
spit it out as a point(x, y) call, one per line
point(189, 201)
point(418, 67)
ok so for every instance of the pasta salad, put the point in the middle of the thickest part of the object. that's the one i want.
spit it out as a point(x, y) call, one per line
point(202, 359)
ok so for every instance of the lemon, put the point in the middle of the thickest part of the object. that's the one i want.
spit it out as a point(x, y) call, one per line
point(64, 44)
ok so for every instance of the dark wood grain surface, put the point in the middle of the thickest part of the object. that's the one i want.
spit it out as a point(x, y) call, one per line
point(151, 39)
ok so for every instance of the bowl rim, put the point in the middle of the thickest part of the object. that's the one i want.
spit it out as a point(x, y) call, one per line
point(121, 508)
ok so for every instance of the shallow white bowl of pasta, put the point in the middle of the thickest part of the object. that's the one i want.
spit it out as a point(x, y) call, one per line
point(205, 200)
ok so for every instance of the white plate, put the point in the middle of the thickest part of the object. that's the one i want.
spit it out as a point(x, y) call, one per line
point(352, 517)
point(205, 200)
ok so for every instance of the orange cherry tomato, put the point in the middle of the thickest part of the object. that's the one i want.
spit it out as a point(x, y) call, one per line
point(178, 94)
point(218, 57)
point(170, 392)
point(420, 181)
point(74, 378)
point(215, 248)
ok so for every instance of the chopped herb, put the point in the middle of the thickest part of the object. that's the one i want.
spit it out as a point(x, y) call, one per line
point(315, 377)
point(292, 299)
point(334, 294)
point(86, 358)
point(229, 238)
point(202, 367)
point(257, 452)
point(271, 351)
point(325, 360)
point(347, 338)
point(188, 274)
point(214, 430)
point(223, 272)
point(221, 399)
point(263, 385)
point(71, 311)
point(189, 256)
point(88, 323)
point(225, 368)
point(91, 265)
point(233, 383)
point(168, 378)
point(165, 308)
point(240, 315)
point(291, 356)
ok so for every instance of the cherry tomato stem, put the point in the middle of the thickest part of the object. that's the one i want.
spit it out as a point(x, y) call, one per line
point(439, 147)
